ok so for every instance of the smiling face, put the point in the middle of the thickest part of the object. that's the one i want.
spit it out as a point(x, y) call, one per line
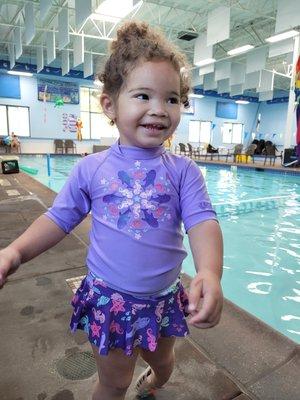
point(147, 110)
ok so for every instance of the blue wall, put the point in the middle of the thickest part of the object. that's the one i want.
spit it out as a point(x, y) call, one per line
point(272, 126)
point(273, 121)
point(10, 86)
point(53, 127)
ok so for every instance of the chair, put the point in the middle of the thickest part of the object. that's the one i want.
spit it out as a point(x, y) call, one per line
point(70, 145)
point(194, 152)
point(5, 147)
point(237, 150)
point(260, 146)
point(250, 151)
point(270, 152)
point(212, 151)
point(183, 150)
point(59, 146)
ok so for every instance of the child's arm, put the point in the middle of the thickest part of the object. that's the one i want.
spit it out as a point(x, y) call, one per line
point(41, 235)
point(207, 248)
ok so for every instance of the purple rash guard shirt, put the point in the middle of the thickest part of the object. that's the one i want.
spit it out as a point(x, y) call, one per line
point(138, 199)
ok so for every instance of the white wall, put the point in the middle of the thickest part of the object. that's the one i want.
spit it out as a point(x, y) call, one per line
point(272, 126)
point(46, 120)
point(205, 109)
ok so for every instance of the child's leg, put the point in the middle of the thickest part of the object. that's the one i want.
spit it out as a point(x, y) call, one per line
point(161, 361)
point(115, 374)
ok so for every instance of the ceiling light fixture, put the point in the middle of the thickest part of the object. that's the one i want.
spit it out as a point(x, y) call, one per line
point(19, 73)
point(114, 10)
point(98, 83)
point(242, 102)
point(207, 61)
point(282, 36)
point(196, 96)
point(240, 50)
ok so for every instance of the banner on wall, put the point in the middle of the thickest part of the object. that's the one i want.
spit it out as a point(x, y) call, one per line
point(49, 90)
point(69, 122)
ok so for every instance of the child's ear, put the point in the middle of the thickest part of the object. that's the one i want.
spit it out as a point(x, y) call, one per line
point(108, 106)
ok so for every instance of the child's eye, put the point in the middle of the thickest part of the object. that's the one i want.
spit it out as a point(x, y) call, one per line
point(173, 100)
point(142, 96)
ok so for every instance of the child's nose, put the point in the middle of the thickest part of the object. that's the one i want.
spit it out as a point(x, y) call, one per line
point(159, 109)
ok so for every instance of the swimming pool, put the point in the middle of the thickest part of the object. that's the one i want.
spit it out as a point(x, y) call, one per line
point(259, 213)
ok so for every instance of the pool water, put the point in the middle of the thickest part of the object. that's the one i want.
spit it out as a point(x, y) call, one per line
point(259, 213)
point(60, 167)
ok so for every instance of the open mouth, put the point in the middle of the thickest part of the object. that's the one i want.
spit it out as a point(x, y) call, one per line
point(154, 127)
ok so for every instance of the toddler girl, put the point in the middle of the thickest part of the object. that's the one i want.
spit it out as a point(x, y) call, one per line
point(132, 301)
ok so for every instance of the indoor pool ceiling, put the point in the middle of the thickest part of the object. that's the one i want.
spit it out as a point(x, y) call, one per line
point(251, 22)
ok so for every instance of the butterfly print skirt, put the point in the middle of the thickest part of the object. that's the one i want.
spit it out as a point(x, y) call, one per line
point(113, 319)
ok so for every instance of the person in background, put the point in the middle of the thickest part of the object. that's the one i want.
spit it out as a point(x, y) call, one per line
point(132, 301)
point(15, 143)
point(168, 143)
point(211, 149)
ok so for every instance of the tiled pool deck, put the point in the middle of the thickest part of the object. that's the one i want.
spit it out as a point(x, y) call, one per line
point(241, 358)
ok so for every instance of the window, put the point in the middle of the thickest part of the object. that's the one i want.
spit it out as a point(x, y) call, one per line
point(3, 121)
point(84, 99)
point(232, 133)
point(95, 123)
point(101, 128)
point(14, 119)
point(199, 131)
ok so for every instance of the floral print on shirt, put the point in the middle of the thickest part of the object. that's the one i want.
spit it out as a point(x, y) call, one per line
point(136, 200)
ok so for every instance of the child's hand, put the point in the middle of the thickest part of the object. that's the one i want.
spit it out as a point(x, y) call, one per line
point(205, 289)
point(9, 263)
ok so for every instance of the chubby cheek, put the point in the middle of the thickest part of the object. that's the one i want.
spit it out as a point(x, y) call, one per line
point(176, 119)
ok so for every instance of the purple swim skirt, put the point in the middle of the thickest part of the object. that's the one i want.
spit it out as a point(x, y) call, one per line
point(113, 319)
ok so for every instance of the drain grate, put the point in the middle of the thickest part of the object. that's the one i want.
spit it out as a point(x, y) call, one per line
point(80, 365)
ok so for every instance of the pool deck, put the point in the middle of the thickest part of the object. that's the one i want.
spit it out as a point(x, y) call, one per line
point(241, 358)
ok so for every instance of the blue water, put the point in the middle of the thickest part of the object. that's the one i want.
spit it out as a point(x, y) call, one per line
point(259, 213)
point(60, 167)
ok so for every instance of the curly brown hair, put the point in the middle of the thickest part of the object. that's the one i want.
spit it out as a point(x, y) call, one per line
point(136, 41)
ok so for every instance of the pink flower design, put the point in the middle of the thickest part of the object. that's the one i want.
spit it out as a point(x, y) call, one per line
point(113, 209)
point(114, 186)
point(159, 187)
point(137, 224)
point(133, 201)
point(95, 329)
point(158, 213)
point(138, 175)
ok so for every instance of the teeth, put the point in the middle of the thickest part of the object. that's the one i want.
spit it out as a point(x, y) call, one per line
point(153, 126)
